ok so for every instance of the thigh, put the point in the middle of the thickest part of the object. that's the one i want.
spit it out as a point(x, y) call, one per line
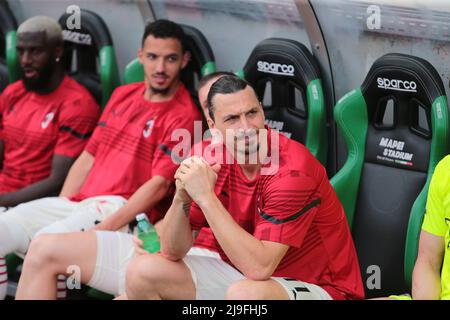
point(35, 215)
point(300, 290)
point(114, 252)
point(86, 215)
point(68, 253)
point(211, 275)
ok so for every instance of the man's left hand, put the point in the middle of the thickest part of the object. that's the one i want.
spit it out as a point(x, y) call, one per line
point(197, 177)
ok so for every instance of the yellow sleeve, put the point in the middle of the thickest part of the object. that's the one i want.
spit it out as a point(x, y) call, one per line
point(434, 221)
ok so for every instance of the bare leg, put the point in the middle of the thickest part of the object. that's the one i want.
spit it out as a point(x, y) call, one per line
point(151, 276)
point(256, 290)
point(50, 255)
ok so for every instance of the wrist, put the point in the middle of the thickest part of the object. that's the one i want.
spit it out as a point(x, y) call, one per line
point(205, 199)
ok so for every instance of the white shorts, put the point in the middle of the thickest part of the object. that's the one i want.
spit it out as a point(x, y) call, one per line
point(212, 277)
point(57, 214)
point(115, 250)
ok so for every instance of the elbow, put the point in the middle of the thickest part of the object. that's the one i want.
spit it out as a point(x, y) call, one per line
point(172, 256)
point(173, 253)
point(259, 273)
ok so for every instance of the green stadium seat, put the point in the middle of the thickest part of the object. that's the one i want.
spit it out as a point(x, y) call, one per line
point(396, 130)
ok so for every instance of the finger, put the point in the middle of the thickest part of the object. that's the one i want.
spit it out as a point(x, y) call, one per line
point(216, 167)
point(187, 161)
point(180, 176)
point(198, 160)
point(137, 241)
point(185, 165)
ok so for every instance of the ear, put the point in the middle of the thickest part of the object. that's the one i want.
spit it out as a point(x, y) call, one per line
point(185, 59)
point(262, 111)
point(59, 50)
point(140, 55)
point(211, 123)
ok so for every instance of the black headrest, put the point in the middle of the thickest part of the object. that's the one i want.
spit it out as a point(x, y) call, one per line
point(399, 91)
point(286, 67)
point(7, 23)
point(201, 53)
point(93, 31)
point(281, 59)
point(85, 43)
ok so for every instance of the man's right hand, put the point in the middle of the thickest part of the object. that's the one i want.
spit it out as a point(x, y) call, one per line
point(138, 249)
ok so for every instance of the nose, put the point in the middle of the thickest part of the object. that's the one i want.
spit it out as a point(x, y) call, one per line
point(160, 66)
point(244, 124)
point(25, 58)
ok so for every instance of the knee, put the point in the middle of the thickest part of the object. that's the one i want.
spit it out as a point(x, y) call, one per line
point(143, 274)
point(243, 290)
point(41, 251)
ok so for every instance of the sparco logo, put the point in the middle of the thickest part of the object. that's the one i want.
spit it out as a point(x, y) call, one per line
point(77, 37)
point(276, 68)
point(398, 85)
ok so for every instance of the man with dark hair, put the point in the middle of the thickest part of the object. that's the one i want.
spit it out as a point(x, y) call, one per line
point(46, 119)
point(126, 169)
point(264, 234)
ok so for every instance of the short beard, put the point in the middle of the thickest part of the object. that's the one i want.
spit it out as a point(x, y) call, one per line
point(160, 91)
point(42, 82)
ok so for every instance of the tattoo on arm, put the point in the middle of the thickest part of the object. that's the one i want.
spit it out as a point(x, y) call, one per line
point(186, 208)
point(195, 233)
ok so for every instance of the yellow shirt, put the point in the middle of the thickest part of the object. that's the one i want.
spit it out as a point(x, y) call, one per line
point(437, 217)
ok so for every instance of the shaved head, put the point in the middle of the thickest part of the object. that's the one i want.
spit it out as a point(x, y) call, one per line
point(47, 26)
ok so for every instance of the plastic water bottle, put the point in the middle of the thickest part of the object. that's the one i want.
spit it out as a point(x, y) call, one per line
point(147, 233)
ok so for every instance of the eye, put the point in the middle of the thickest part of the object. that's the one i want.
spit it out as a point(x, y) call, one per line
point(172, 58)
point(230, 119)
point(151, 56)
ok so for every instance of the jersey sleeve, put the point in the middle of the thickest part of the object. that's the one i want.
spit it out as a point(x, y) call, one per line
point(169, 152)
point(286, 209)
point(77, 120)
point(434, 220)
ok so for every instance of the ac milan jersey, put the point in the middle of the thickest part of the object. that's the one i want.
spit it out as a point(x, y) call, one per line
point(35, 127)
point(295, 206)
point(133, 143)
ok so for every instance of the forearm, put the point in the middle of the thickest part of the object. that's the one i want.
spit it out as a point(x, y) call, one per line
point(44, 188)
point(176, 238)
point(247, 253)
point(143, 200)
point(77, 175)
point(426, 282)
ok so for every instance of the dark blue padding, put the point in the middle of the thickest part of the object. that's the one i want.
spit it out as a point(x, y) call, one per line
point(86, 42)
point(395, 166)
point(287, 65)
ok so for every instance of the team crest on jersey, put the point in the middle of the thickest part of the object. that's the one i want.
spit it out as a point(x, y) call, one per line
point(148, 128)
point(48, 118)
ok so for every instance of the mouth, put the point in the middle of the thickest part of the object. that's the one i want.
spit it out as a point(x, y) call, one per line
point(160, 79)
point(30, 73)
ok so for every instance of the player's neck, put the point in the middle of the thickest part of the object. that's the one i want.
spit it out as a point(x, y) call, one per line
point(158, 96)
point(250, 171)
point(55, 80)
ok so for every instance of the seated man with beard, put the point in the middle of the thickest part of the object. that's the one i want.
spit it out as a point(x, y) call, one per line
point(45, 121)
